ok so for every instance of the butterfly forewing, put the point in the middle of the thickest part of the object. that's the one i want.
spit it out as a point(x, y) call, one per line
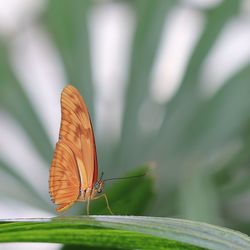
point(76, 149)
point(76, 128)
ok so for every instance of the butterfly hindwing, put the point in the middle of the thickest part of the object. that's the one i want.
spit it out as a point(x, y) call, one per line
point(64, 177)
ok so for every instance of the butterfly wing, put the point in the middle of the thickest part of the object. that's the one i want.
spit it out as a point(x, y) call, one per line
point(76, 133)
point(76, 129)
point(64, 177)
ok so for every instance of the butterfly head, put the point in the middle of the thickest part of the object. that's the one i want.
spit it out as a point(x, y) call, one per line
point(99, 185)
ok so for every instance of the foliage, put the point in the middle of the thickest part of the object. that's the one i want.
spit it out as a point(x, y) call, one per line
point(124, 232)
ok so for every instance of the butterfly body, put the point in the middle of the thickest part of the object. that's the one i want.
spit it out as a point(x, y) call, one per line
point(90, 193)
point(74, 167)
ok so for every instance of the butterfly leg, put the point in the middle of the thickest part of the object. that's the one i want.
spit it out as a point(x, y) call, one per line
point(88, 201)
point(107, 202)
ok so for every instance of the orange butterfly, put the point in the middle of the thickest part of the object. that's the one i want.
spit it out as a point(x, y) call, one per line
point(74, 168)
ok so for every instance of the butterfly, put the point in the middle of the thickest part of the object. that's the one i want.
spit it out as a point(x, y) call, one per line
point(74, 167)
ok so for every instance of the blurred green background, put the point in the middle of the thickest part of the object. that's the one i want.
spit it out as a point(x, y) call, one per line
point(166, 82)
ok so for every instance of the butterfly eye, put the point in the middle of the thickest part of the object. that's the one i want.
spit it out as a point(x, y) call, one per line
point(99, 190)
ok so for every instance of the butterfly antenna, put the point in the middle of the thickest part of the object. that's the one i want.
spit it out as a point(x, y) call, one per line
point(125, 178)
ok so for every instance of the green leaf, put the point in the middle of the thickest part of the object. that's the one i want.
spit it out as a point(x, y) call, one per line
point(128, 232)
point(67, 24)
point(79, 247)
